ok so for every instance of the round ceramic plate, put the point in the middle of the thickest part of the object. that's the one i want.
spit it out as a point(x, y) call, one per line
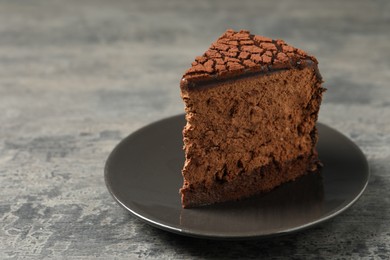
point(143, 174)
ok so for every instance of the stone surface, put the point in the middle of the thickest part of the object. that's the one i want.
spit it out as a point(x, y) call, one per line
point(78, 76)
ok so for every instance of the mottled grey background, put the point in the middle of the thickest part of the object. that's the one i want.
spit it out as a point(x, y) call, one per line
point(78, 76)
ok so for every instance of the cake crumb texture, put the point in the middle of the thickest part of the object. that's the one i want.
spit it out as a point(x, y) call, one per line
point(249, 123)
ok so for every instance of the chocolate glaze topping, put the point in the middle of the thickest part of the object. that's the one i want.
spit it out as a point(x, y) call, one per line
point(241, 54)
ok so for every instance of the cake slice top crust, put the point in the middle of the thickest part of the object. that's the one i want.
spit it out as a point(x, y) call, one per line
point(241, 53)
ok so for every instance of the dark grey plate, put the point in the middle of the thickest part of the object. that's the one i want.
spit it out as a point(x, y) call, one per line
point(143, 174)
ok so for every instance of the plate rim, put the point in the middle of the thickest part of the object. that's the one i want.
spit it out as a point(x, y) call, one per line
point(189, 233)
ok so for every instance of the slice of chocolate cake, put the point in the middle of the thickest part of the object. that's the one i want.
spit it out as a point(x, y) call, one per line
point(251, 108)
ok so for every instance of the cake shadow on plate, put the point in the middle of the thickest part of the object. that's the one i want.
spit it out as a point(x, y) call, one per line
point(291, 205)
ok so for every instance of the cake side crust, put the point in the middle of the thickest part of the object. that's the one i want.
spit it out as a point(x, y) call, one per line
point(259, 181)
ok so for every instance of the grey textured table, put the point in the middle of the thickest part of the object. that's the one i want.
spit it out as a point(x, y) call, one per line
point(76, 77)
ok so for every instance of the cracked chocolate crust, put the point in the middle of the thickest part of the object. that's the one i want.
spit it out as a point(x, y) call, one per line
point(241, 54)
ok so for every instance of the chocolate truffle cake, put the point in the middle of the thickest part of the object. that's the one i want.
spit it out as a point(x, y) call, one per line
point(251, 107)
